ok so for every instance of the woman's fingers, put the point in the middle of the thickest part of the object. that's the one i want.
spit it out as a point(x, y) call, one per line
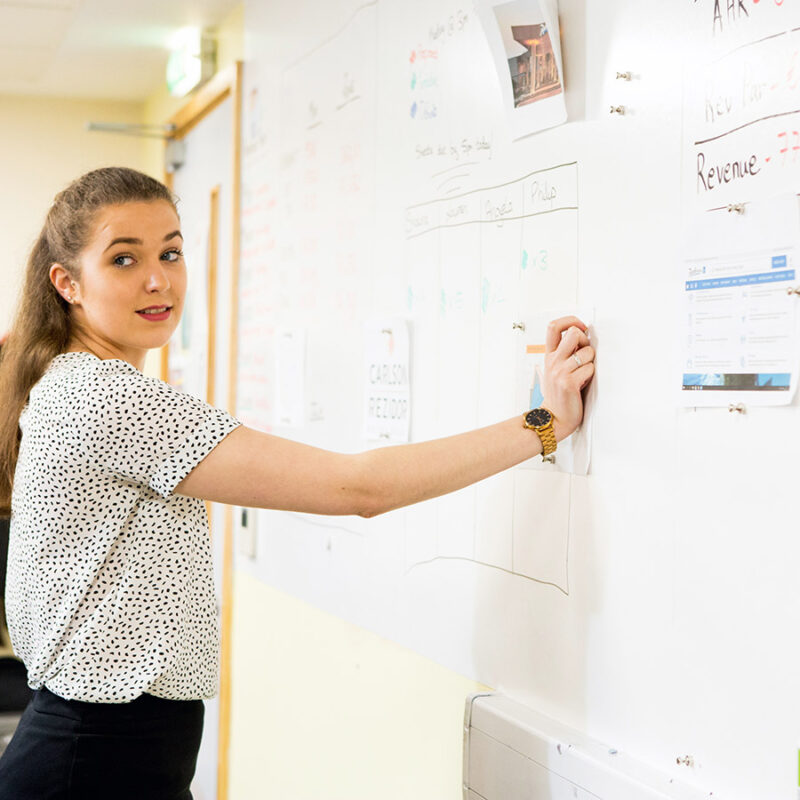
point(573, 339)
point(569, 367)
point(583, 356)
point(583, 375)
point(558, 328)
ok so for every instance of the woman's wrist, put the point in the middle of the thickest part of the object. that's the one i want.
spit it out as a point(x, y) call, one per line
point(561, 431)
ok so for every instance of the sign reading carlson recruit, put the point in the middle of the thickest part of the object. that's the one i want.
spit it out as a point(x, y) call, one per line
point(387, 385)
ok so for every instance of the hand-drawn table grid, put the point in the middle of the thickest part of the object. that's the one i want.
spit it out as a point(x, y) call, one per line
point(479, 265)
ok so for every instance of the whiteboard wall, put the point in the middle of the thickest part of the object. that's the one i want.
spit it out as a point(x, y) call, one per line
point(652, 604)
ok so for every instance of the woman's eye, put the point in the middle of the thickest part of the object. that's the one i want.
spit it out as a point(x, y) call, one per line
point(172, 255)
point(123, 261)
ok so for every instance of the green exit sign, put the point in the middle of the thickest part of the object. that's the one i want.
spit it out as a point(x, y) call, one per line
point(191, 62)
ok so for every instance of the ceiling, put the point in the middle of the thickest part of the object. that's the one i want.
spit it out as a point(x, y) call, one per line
point(109, 49)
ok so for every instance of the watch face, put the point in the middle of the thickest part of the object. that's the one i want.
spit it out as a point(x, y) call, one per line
point(538, 417)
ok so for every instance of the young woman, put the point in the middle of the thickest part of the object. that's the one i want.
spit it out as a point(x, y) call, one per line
point(110, 597)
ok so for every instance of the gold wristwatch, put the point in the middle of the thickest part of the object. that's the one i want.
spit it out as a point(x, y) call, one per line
point(541, 421)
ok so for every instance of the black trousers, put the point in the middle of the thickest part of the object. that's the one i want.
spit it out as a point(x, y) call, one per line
point(69, 750)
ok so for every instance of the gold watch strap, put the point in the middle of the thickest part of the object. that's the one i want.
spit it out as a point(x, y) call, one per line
point(548, 437)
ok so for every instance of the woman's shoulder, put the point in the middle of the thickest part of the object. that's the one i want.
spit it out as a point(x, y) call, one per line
point(76, 373)
point(83, 381)
point(107, 387)
point(83, 362)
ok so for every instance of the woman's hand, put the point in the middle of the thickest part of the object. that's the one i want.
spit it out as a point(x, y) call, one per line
point(569, 366)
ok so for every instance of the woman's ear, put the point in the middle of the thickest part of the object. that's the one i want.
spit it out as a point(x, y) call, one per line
point(64, 284)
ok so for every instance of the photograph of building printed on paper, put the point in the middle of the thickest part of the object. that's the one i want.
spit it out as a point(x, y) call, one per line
point(532, 64)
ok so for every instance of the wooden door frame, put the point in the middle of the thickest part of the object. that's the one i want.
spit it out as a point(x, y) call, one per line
point(225, 84)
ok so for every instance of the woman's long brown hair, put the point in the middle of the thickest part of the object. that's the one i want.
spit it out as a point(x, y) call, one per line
point(42, 325)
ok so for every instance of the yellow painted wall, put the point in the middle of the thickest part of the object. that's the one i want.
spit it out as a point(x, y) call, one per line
point(230, 38)
point(323, 710)
point(44, 145)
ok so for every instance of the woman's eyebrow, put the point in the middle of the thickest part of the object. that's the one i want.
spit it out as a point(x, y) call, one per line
point(132, 240)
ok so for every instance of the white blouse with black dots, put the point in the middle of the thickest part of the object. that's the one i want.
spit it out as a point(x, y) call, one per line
point(110, 590)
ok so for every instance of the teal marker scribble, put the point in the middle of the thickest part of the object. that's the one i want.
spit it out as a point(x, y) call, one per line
point(486, 289)
point(524, 259)
point(543, 265)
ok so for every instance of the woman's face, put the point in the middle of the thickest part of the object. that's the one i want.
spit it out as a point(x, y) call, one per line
point(129, 297)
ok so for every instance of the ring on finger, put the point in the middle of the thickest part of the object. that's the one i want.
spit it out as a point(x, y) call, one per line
point(577, 359)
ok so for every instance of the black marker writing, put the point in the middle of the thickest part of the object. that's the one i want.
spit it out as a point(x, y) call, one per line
point(736, 9)
point(709, 178)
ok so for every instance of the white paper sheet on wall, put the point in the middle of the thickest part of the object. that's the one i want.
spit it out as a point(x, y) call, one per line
point(739, 324)
point(290, 368)
point(387, 388)
point(741, 118)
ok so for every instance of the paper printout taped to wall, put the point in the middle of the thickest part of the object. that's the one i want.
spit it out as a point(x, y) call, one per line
point(524, 39)
point(387, 388)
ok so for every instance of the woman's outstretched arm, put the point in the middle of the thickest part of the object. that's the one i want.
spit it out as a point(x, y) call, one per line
point(255, 469)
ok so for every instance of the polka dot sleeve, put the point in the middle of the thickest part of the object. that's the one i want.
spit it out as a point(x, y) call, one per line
point(140, 429)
